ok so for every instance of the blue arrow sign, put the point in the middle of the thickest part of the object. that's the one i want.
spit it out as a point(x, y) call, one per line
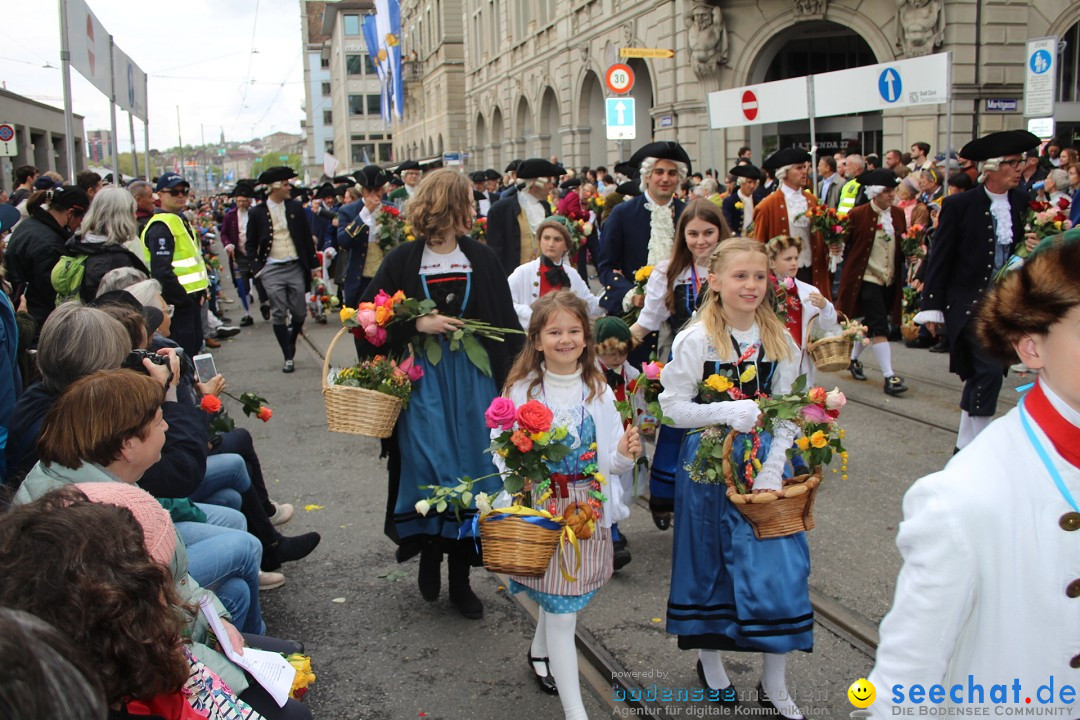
point(890, 85)
point(621, 118)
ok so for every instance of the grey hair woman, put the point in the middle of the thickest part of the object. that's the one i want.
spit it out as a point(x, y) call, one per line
point(107, 237)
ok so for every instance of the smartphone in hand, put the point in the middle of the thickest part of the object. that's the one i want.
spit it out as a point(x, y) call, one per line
point(205, 367)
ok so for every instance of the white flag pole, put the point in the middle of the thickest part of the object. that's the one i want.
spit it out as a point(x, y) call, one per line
point(114, 144)
point(65, 72)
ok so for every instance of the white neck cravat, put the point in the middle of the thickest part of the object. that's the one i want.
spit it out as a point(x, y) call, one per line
point(661, 230)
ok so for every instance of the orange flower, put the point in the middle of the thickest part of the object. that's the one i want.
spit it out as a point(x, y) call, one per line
point(397, 297)
point(817, 395)
point(383, 314)
point(265, 414)
point(210, 404)
point(521, 441)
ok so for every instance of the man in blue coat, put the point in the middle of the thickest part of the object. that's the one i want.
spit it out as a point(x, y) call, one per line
point(356, 228)
point(641, 231)
point(738, 207)
point(978, 230)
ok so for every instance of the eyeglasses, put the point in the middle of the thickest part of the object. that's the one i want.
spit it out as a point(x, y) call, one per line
point(170, 309)
point(174, 192)
point(1012, 163)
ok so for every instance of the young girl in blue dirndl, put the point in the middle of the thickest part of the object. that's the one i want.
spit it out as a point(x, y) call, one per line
point(558, 368)
point(729, 590)
point(442, 436)
point(672, 295)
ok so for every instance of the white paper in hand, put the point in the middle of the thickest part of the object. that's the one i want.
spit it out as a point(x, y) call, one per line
point(269, 669)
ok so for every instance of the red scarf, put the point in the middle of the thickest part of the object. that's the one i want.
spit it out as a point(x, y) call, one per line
point(1063, 434)
point(794, 320)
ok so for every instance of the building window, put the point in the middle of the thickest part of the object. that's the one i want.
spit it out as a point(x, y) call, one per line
point(354, 65)
point(386, 152)
point(375, 136)
point(363, 153)
point(325, 89)
point(328, 147)
point(327, 117)
point(352, 25)
point(356, 104)
point(324, 63)
point(369, 66)
point(374, 105)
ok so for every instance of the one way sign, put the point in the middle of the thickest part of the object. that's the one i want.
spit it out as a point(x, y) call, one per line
point(620, 119)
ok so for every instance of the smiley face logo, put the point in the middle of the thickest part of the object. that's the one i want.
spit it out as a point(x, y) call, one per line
point(862, 693)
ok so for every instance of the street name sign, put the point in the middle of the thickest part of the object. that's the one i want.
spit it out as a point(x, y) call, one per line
point(646, 53)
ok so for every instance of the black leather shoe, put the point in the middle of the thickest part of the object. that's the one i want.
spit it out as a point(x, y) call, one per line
point(264, 310)
point(246, 321)
point(621, 558)
point(942, 346)
point(894, 385)
point(856, 370)
point(728, 696)
point(546, 683)
point(297, 547)
point(430, 576)
point(662, 520)
point(764, 702)
point(921, 342)
point(466, 601)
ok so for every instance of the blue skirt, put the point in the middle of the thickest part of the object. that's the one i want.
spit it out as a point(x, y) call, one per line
point(664, 465)
point(442, 437)
point(729, 590)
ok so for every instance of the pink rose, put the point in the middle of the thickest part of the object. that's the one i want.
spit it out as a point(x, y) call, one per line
point(364, 318)
point(375, 335)
point(815, 414)
point(789, 283)
point(500, 413)
point(411, 369)
point(382, 299)
point(652, 370)
point(835, 399)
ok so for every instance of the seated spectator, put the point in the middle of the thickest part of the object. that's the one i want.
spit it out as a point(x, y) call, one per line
point(105, 230)
point(119, 279)
point(100, 573)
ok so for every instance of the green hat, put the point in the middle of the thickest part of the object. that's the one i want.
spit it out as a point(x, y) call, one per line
point(611, 326)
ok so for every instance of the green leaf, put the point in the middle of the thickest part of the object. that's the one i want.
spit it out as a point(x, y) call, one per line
point(513, 484)
point(557, 451)
point(477, 354)
point(466, 498)
point(432, 349)
point(441, 506)
point(799, 385)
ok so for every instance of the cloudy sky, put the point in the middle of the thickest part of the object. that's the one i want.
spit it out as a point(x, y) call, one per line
point(197, 53)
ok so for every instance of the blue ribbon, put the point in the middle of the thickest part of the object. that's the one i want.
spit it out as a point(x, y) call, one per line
point(1045, 457)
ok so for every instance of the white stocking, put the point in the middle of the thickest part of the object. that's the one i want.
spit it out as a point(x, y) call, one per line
point(713, 665)
point(559, 628)
point(775, 685)
point(539, 644)
point(856, 350)
point(883, 355)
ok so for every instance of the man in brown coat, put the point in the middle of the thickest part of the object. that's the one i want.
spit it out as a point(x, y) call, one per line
point(871, 285)
point(783, 213)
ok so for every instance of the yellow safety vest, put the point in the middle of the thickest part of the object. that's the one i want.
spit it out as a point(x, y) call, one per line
point(848, 193)
point(187, 259)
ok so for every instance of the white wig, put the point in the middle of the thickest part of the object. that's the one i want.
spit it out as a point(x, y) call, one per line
point(649, 163)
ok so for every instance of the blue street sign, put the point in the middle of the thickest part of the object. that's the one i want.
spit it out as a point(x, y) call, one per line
point(620, 118)
point(889, 85)
point(1040, 62)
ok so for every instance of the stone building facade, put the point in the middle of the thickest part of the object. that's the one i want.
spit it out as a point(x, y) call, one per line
point(534, 70)
point(39, 137)
point(318, 123)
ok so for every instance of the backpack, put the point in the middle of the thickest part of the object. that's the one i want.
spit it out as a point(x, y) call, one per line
point(67, 277)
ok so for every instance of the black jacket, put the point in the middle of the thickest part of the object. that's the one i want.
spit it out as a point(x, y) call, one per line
point(260, 235)
point(101, 258)
point(33, 251)
point(504, 232)
point(960, 264)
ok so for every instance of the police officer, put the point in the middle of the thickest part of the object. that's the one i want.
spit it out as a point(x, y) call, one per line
point(175, 260)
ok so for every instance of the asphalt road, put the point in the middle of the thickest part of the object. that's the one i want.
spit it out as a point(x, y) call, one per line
point(380, 651)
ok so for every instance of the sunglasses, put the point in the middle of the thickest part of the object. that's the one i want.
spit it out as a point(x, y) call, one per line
point(175, 193)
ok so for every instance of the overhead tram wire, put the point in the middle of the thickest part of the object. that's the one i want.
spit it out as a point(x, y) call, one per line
point(247, 80)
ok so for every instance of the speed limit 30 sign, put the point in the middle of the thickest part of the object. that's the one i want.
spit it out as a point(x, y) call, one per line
point(619, 78)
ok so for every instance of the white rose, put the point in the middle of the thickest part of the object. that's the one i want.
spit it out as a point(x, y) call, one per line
point(587, 229)
point(483, 503)
point(835, 399)
point(422, 507)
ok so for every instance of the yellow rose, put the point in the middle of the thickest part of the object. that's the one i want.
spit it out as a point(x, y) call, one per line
point(347, 313)
point(643, 273)
point(542, 437)
point(410, 238)
point(600, 201)
point(819, 439)
point(748, 374)
point(739, 206)
point(803, 443)
point(719, 383)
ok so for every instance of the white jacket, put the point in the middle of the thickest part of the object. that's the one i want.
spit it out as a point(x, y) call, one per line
point(525, 289)
point(654, 312)
point(827, 322)
point(609, 461)
point(982, 591)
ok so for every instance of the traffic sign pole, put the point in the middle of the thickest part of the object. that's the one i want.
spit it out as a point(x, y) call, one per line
point(948, 116)
point(813, 137)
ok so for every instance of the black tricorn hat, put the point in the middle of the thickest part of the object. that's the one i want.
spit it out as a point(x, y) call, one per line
point(276, 174)
point(538, 168)
point(630, 188)
point(371, 177)
point(492, 174)
point(882, 176)
point(571, 183)
point(999, 144)
point(785, 157)
point(661, 150)
point(746, 171)
point(512, 166)
point(324, 191)
point(408, 165)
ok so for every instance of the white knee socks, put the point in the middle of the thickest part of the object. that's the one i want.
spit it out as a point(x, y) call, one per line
point(559, 629)
point(970, 426)
point(713, 665)
point(883, 355)
point(856, 350)
point(775, 684)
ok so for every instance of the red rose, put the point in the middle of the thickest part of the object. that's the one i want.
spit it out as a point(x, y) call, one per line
point(521, 441)
point(210, 404)
point(534, 417)
point(265, 414)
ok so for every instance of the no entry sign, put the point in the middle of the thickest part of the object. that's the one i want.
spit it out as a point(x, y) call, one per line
point(749, 105)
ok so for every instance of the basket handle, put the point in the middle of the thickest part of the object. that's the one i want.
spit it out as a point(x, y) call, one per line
point(810, 325)
point(329, 352)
